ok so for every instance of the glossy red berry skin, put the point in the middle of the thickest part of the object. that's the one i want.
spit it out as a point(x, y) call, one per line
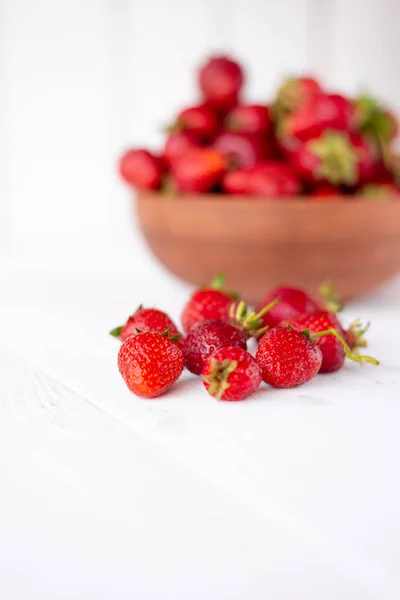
point(220, 80)
point(231, 374)
point(333, 354)
point(150, 363)
point(205, 305)
point(287, 357)
point(207, 337)
point(148, 319)
point(141, 169)
point(293, 303)
point(250, 118)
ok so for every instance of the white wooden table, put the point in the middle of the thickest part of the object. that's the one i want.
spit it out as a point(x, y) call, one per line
point(292, 494)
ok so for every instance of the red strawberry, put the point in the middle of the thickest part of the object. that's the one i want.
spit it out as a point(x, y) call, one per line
point(335, 157)
point(287, 357)
point(147, 319)
point(380, 191)
point(231, 374)
point(293, 302)
point(241, 149)
point(236, 181)
point(205, 338)
point(177, 144)
point(141, 169)
point(212, 302)
point(199, 120)
point(150, 363)
point(320, 112)
point(332, 349)
point(220, 80)
point(294, 92)
point(198, 170)
point(273, 179)
point(251, 118)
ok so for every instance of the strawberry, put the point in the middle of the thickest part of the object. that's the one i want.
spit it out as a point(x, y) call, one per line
point(236, 181)
point(205, 338)
point(332, 349)
point(207, 303)
point(147, 319)
point(231, 374)
point(380, 191)
point(201, 121)
point(150, 363)
point(251, 118)
point(273, 180)
point(177, 144)
point(241, 149)
point(318, 113)
point(220, 81)
point(141, 169)
point(287, 357)
point(293, 302)
point(335, 157)
point(198, 170)
point(293, 93)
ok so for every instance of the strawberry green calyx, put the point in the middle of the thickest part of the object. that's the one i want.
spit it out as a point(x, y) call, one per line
point(349, 354)
point(372, 119)
point(355, 335)
point(218, 379)
point(166, 333)
point(338, 159)
point(218, 281)
point(116, 332)
point(250, 323)
point(331, 299)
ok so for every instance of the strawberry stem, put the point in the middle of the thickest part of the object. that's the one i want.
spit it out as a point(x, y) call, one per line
point(116, 332)
point(218, 379)
point(218, 281)
point(332, 301)
point(250, 323)
point(349, 354)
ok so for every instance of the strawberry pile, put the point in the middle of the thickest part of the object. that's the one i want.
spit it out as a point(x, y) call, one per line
point(298, 337)
point(307, 141)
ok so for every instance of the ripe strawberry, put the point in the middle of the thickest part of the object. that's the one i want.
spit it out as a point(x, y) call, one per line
point(332, 349)
point(147, 319)
point(241, 149)
point(141, 169)
point(231, 374)
point(198, 170)
point(177, 144)
point(205, 338)
point(380, 191)
point(150, 363)
point(252, 118)
point(320, 112)
point(293, 93)
point(335, 157)
point(236, 181)
point(201, 121)
point(287, 357)
point(220, 80)
point(207, 303)
point(273, 180)
point(293, 302)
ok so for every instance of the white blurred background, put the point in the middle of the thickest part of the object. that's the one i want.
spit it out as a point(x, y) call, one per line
point(80, 80)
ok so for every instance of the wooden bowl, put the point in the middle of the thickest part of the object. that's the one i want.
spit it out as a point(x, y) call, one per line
point(259, 244)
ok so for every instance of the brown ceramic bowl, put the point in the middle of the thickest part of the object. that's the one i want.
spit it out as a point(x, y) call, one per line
point(259, 244)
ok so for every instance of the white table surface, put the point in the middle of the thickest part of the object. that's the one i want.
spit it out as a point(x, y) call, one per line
point(292, 494)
